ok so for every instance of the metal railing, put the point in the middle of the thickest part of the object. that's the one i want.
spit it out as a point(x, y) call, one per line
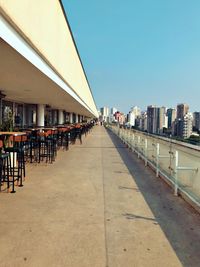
point(179, 164)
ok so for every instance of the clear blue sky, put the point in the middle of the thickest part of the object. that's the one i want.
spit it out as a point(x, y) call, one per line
point(139, 52)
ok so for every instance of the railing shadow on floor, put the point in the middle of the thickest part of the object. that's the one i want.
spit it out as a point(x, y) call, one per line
point(179, 221)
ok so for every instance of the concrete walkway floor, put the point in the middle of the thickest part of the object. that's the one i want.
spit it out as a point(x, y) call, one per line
point(97, 206)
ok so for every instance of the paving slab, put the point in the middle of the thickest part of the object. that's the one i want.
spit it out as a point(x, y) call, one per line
point(96, 206)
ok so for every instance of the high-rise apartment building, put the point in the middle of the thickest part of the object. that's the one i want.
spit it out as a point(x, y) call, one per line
point(112, 114)
point(152, 119)
point(171, 116)
point(196, 120)
point(136, 111)
point(183, 127)
point(133, 116)
point(113, 111)
point(143, 121)
point(131, 119)
point(105, 112)
point(120, 117)
point(162, 119)
point(184, 121)
point(156, 119)
point(187, 125)
point(182, 110)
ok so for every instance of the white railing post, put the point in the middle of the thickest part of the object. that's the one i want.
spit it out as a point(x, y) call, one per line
point(176, 174)
point(157, 159)
point(132, 141)
point(146, 151)
point(125, 139)
point(138, 146)
point(128, 141)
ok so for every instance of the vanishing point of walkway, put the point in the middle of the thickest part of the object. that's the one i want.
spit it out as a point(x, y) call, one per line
point(97, 206)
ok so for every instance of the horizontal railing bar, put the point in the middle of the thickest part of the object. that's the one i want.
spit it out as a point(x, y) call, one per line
point(187, 169)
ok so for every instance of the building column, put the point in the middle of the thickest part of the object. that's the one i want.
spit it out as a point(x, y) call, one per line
point(76, 118)
point(24, 115)
point(29, 115)
point(40, 115)
point(1, 111)
point(60, 117)
point(14, 113)
point(70, 117)
point(55, 117)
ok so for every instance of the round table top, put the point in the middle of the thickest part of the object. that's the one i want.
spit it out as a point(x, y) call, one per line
point(49, 128)
point(40, 129)
point(13, 133)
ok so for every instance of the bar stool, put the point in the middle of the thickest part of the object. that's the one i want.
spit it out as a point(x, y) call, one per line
point(45, 147)
point(66, 138)
point(72, 135)
point(4, 168)
point(52, 137)
point(78, 133)
point(33, 146)
point(63, 138)
point(17, 159)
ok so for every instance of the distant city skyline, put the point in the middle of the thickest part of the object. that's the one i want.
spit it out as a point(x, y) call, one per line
point(177, 122)
point(139, 53)
point(145, 108)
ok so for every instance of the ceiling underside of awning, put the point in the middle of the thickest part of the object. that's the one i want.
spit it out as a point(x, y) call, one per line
point(22, 82)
